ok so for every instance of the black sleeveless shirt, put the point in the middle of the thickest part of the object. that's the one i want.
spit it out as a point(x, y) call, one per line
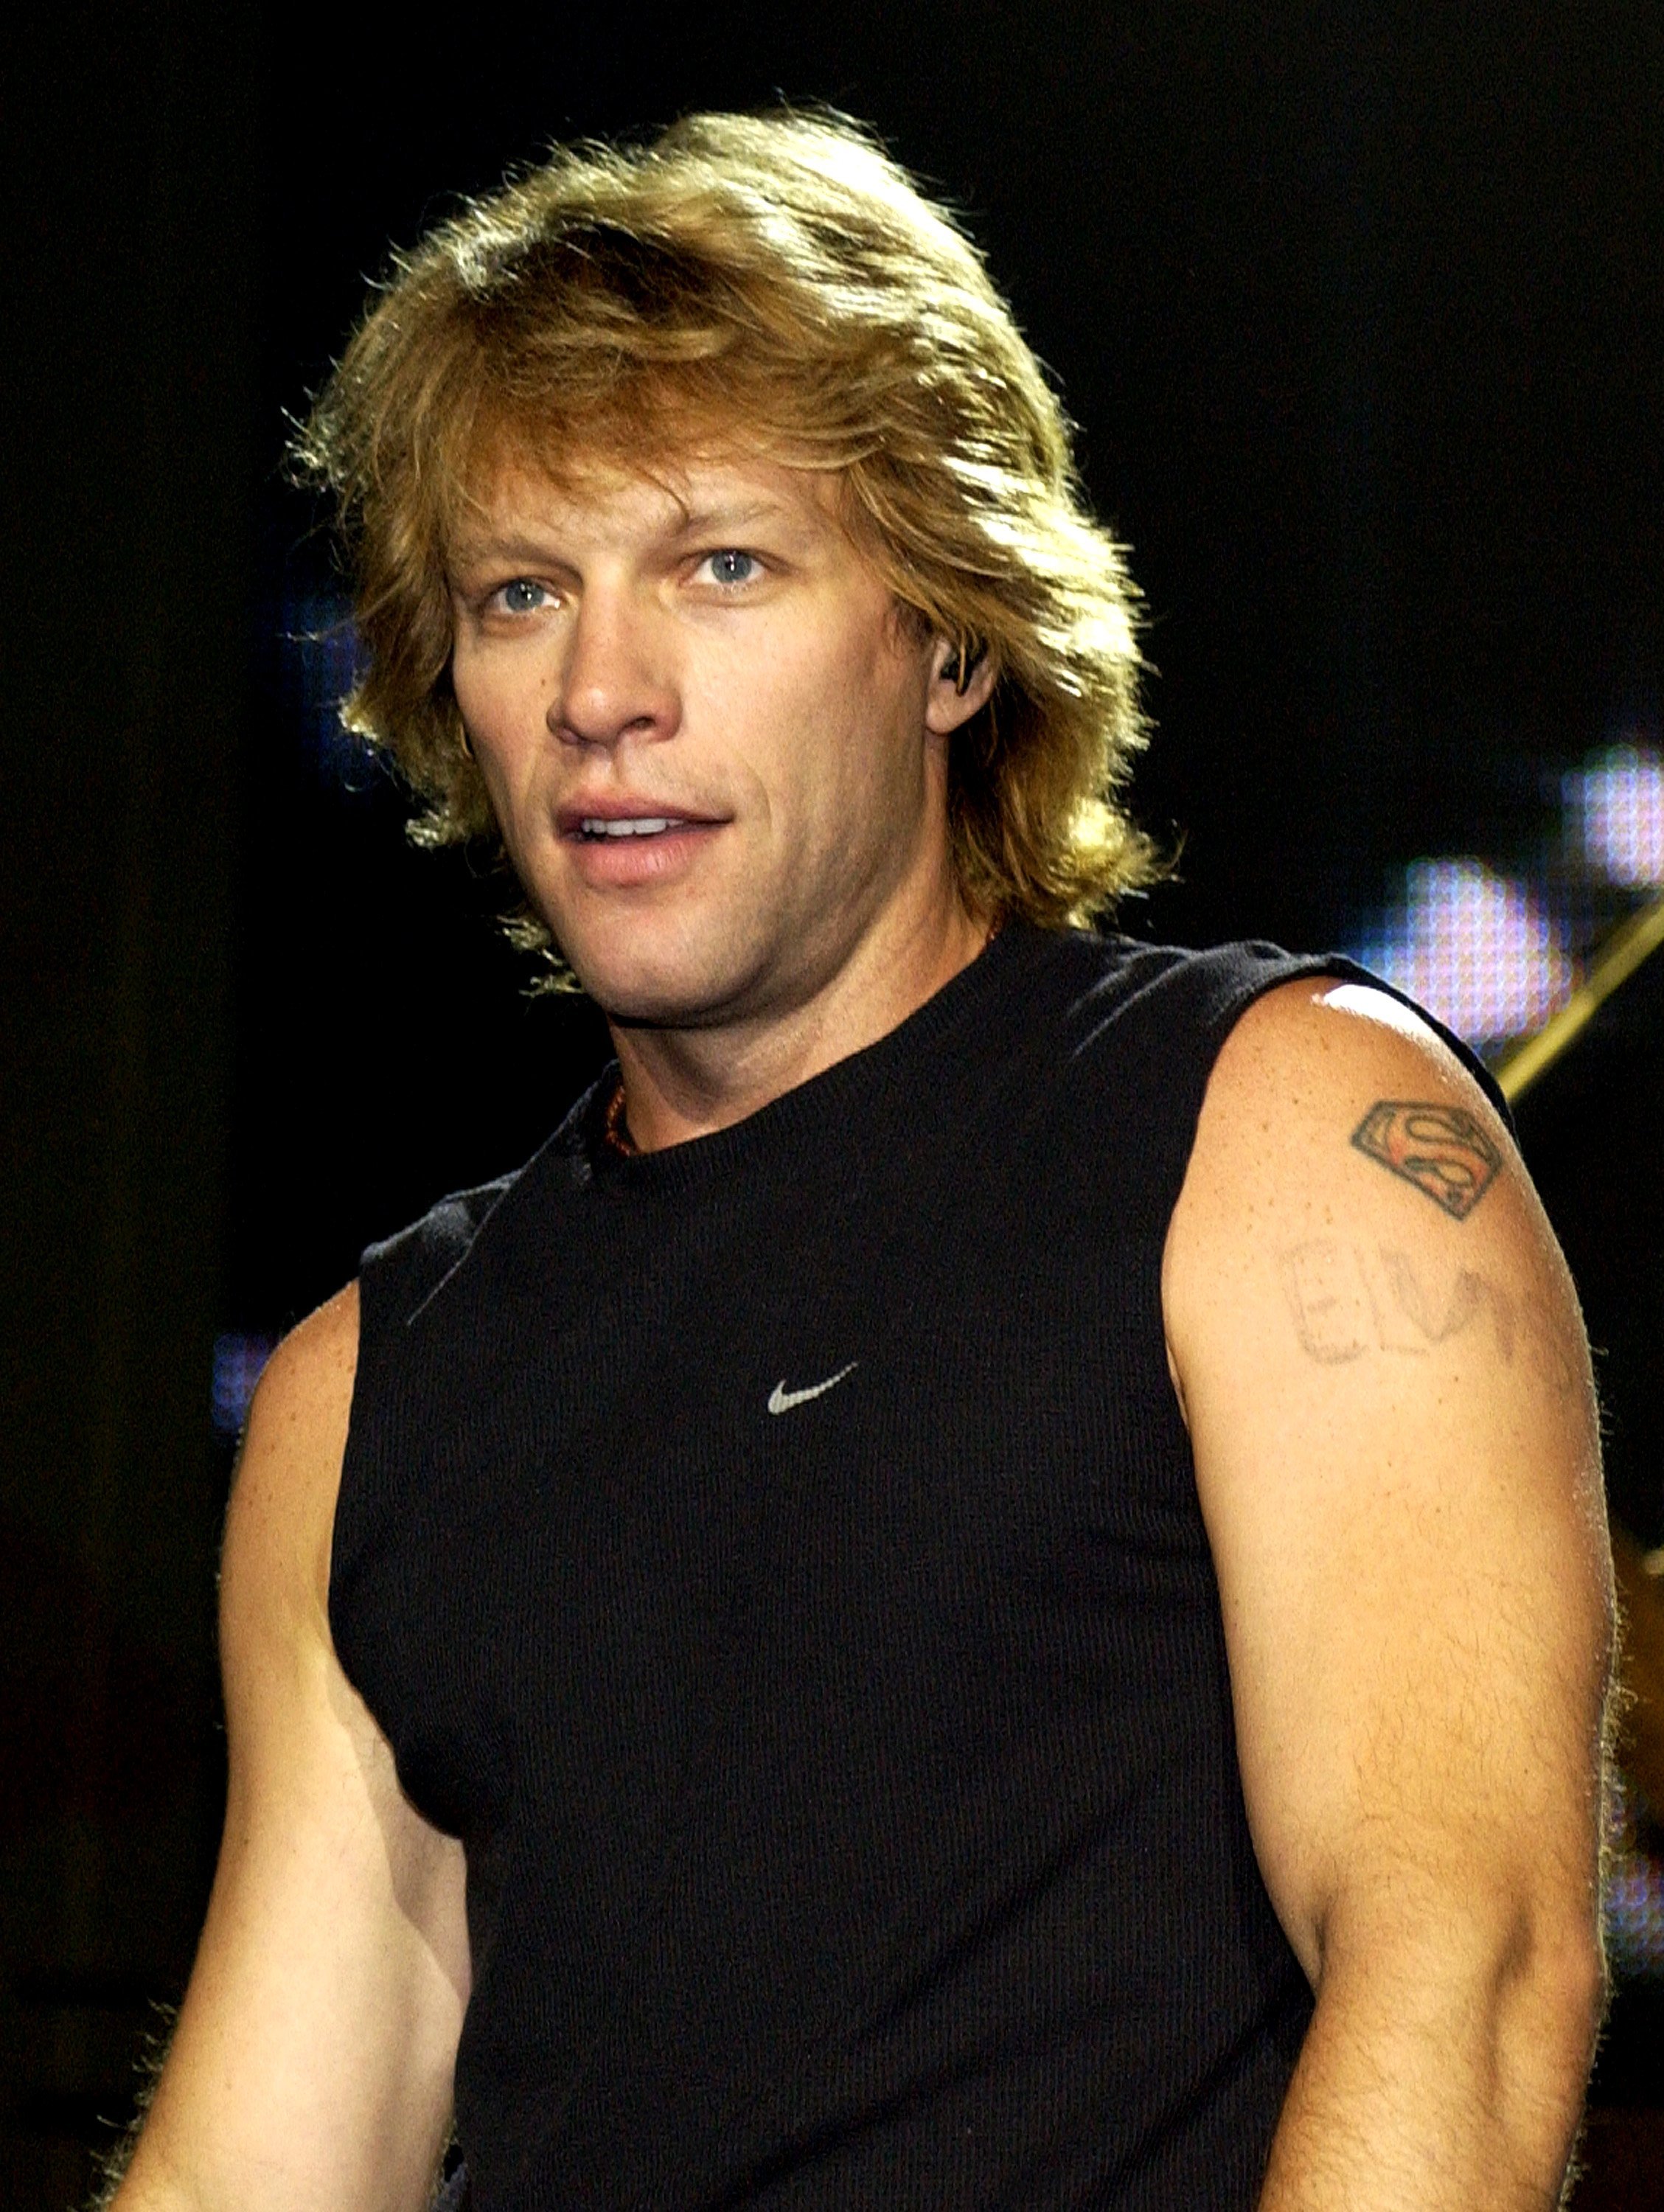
point(777, 1559)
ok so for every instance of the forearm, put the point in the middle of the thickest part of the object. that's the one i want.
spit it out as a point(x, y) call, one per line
point(1423, 2085)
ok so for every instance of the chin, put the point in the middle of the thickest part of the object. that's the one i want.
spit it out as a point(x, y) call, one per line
point(661, 988)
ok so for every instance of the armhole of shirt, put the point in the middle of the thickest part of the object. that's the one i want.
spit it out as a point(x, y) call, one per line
point(397, 1277)
point(1233, 977)
point(1204, 995)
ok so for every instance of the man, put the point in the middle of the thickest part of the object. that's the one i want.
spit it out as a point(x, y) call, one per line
point(986, 1585)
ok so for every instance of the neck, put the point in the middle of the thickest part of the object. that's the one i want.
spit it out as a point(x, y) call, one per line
point(681, 1084)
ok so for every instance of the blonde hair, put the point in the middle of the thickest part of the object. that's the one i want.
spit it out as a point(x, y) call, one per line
point(776, 278)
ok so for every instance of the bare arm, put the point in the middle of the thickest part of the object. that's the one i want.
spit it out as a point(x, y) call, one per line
point(312, 2060)
point(1382, 1367)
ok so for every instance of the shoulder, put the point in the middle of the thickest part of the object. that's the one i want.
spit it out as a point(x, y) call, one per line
point(1181, 1056)
point(1353, 1177)
point(399, 1272)
point(1174, 1009)
point(1334, 1020)
point(1322, 1073)
point(278, 1524)
point(1203, 985)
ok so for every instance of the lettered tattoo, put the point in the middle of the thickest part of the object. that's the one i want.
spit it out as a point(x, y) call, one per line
point(1346, 1300)
point(1444, 1150)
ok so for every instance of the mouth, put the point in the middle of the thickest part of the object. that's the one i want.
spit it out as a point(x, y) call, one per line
point(626, 844)
point(611, 820)
point(630, 825)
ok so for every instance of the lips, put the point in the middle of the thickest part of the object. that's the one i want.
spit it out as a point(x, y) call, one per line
point(629, 842)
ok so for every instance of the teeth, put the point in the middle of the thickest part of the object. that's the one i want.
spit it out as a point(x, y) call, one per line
point(638, 825)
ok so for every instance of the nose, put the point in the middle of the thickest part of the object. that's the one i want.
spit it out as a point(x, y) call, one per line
point(615, 684)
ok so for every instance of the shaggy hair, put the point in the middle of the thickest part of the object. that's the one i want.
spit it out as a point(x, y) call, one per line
point(775, 284)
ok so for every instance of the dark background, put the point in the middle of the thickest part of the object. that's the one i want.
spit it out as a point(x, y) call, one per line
point(1360, 312)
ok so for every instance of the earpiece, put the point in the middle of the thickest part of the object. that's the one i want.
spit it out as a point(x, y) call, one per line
point(962, 664)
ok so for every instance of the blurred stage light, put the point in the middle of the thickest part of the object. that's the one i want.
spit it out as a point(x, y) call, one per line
point(325, 660)
point(1474, 948)
point(1634, 1894)
point(1635, 1917)
point(239, 1362)
point(1615, 809)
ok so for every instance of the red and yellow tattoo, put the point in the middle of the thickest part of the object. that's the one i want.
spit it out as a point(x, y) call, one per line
point(1442, 1150)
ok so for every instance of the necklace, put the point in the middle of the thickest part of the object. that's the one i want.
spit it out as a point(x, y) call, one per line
point(615, 1130)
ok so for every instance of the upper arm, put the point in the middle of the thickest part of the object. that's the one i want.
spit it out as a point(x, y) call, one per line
point(1391, 1410)
point(313, 2057)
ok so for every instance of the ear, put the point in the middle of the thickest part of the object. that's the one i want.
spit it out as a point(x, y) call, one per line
point(962, 678)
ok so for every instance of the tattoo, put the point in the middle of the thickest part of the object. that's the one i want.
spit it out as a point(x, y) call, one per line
point(1346, 1300)
point(1442, 1150)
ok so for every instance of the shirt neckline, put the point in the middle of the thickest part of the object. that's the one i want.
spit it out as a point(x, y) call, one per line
point(826, 1100)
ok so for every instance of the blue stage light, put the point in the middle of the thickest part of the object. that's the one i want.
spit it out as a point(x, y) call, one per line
point(1476, 948)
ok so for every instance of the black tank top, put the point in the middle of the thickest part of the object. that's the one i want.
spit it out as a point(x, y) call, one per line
point(777, 1559)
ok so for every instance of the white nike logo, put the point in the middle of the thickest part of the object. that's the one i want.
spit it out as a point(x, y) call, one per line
point(782, 1400)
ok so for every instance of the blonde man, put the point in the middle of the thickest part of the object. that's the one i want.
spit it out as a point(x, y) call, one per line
point(985, 1584)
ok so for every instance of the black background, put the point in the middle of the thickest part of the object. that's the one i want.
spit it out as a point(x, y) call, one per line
point(1359, 311)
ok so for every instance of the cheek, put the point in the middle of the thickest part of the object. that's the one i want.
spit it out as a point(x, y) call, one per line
point(834, 714)
point(471, 692)
point(500, 707)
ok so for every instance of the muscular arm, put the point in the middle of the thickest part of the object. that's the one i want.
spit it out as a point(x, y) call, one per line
point(313, 2059)
point(1380, 1361)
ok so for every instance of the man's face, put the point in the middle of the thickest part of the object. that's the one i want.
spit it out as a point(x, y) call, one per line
point(706, 731)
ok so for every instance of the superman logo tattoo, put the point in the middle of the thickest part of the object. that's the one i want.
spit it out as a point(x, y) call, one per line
point(1442, 1150)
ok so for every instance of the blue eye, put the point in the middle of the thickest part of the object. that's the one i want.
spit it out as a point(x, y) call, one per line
point(523, 597)
point(730, 566)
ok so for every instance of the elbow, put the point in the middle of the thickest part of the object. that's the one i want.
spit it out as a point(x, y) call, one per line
point(1551, 2000)
point(1559, 1970)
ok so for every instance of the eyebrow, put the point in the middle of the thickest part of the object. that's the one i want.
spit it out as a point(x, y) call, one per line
point(701, 521)
point(715, 520)
point(492, 548)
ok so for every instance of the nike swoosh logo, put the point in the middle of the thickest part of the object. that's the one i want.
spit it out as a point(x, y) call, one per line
point(782, 1400)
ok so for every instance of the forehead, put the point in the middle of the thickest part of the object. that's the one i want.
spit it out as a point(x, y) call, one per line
point(597, 496)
